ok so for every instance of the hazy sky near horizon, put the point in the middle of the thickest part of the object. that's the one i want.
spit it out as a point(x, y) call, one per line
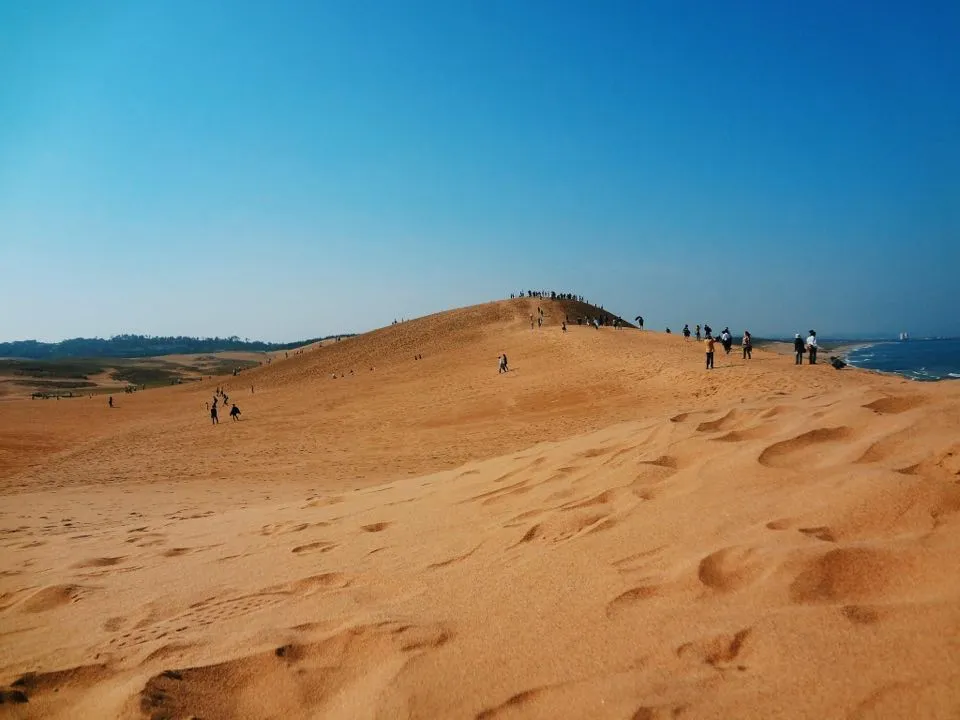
point(286, 170)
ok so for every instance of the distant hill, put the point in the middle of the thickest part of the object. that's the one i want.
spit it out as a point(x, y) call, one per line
point(134, 346)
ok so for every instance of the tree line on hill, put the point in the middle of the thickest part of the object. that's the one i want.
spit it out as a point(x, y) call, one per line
point(130, 346)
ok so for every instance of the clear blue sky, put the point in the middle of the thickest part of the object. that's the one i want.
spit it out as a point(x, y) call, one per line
point(281, 170)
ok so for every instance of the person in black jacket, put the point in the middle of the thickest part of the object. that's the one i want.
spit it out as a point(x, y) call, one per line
point(798, 349)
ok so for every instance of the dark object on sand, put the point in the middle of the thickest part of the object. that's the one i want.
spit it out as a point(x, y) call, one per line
point(837, 363)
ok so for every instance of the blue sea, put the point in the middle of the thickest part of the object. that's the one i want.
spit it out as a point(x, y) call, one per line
point(916, 359)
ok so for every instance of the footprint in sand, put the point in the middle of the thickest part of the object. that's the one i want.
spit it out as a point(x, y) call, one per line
point(721, 423)
point(99, 562)
point(376, 527)
point(50, 598)
point(895, 405)
point(33, 686)
point(559, 528)
point(664, 461)
point(791, 453)
point(176, 552)
point(511, 705)
point(659, 712)
point(455, 559)
point(861, 614)
point(314, 547)
point(730, 569)
point(604, 498)
point(847, 574)
point(820, 533)
point(718, 651)
point(781, 524)
point(297, 678)
point(625, 600)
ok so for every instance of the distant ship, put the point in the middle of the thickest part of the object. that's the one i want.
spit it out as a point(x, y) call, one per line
point(904, 336)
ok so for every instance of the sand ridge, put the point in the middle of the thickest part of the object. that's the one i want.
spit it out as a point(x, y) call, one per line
point(606, 531)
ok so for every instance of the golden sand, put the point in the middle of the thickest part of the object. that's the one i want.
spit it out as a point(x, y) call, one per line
point(607, 531)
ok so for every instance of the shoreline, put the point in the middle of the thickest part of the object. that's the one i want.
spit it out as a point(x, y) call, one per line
point(844, 350)
point(783, 347)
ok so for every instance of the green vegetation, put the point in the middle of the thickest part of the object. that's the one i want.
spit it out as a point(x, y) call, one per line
point(145, 375)
point(74, 369)
point(138, 346)
point(61, 377)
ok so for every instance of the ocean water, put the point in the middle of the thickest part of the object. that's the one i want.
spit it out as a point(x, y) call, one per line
point(915, 359)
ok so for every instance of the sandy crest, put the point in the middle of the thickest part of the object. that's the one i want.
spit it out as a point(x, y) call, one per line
point(607, 531)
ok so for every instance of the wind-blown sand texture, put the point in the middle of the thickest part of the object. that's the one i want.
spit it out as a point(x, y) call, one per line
point(607, 531)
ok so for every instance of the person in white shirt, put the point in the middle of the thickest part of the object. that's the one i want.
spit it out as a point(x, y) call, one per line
point(812, 347)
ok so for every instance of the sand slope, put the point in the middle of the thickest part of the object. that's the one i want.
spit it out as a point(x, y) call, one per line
point(607, 531)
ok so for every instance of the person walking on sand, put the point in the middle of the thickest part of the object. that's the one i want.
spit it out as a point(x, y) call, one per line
point(812, 346)
point(710, 348)
point(564, 326)
point(214, 420)
point(686, 331)
point(747, 343)
point(698, 333)
point(235, 412)
point(798, 349)
point(110, 401)
point(503, 364)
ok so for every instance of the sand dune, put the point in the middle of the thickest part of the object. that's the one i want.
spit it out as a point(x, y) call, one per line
point(607, 531)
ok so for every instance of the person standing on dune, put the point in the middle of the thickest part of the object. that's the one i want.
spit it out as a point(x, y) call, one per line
point(798, 350)
point(710, 347)
point(686, 331)
point(747, 343)
point(503, 364)
point(698, 333)
point(214, 420)
point(726, 339)
point(235, 412)
point(812, 347)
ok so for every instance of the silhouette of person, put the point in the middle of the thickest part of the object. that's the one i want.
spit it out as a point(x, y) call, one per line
point(798, 349)
point(213, 415)
point(235, 412)
point(110, 401)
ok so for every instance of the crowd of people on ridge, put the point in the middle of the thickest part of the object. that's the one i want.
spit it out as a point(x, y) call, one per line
point(704, 333)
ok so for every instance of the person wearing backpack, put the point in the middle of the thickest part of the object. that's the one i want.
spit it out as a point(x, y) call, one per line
point(798, 349)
